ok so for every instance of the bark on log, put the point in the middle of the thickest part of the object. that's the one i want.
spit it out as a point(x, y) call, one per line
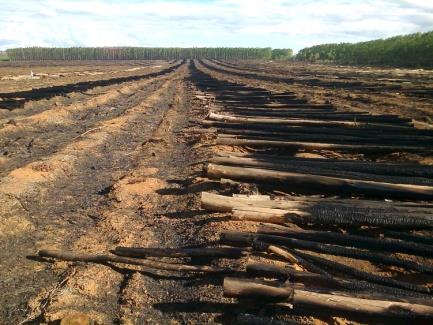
point(276, 216)
point(293, 181)
point(95, 258)
point(244, 288)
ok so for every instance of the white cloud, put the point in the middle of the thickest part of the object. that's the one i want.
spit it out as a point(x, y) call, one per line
point(276, 23)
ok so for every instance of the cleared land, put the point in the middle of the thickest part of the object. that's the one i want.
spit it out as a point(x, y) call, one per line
point(314, 169)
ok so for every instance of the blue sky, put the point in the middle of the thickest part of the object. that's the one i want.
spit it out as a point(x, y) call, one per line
point(275, 23)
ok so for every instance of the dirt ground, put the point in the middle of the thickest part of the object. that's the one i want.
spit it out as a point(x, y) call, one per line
point(17, 76)
point(115, 165)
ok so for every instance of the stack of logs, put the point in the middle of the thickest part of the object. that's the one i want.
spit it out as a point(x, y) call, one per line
point(318, 212)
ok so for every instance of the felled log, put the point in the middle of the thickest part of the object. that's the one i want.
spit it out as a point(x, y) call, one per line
point(382, 244)
point(418, 239)
point(212, 252)
point(294, 181)
point(326, 211)
point(244, 288)
point(307, 113)
point(382, 280)
point(358, 288)
point(392, 169)
point(358, 148)
point(328, 136)
point(302, 122)
point(95, 258)
point(388, 172)
point(298, 137)
point(247, 239)
point(359, 139)
point(329, 116)
point(348, 216)
point(316, 129)
point(222, 203)
point(301, 111)
point(318, 170)
point(304, 106)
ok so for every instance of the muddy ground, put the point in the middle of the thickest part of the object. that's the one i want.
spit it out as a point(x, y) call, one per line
point(115, 165)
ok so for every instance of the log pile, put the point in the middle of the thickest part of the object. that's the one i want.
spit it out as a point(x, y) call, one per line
point(321, 216)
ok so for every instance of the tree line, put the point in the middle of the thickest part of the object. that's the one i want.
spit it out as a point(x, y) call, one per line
point(414, 50)
point(136, 53)
point(146, 53)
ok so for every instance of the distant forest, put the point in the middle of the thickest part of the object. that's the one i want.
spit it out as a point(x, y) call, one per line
point(414, 50)
point(145, 53)
point(3, 56)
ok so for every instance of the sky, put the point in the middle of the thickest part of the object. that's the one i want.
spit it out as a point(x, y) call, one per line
point(210, 23)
